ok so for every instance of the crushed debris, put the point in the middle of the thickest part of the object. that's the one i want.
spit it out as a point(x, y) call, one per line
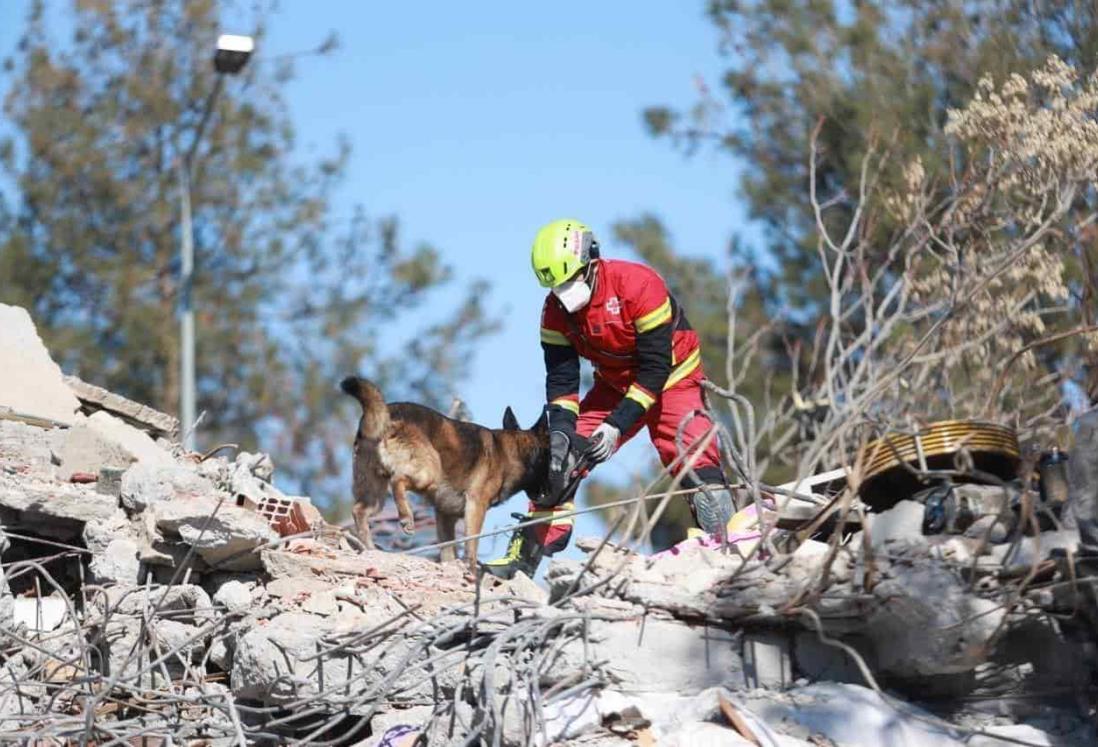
point(189, 601)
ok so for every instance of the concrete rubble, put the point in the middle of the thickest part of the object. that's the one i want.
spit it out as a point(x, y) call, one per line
point(145, 592)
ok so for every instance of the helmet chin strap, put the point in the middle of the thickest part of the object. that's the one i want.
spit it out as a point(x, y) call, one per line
point(591, 273)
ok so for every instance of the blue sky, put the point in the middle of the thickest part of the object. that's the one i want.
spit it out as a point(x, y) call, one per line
point(477, 122)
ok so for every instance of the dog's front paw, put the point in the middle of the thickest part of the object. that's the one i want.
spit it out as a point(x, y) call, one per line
point(408, 526)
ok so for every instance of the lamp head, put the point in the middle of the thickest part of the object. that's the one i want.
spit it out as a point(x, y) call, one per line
point(232, 53)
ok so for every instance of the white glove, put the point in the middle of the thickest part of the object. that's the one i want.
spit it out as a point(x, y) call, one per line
point(604, 441)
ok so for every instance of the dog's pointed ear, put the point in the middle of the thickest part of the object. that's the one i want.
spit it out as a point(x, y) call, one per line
point(542, 426)
point(510, 422)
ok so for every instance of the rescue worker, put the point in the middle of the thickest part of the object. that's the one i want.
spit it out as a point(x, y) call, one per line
point(620, 316)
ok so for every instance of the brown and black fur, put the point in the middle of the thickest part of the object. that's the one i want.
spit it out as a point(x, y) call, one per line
point(461, 468)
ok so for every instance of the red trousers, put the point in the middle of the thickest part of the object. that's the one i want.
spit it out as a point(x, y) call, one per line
point(662, 419)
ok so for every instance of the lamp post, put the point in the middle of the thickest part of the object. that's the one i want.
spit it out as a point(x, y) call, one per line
point(231, 56)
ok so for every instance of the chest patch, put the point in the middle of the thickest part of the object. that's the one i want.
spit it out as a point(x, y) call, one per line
point(613, 305)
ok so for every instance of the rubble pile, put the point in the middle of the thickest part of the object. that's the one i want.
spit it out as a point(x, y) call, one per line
point(147, 593)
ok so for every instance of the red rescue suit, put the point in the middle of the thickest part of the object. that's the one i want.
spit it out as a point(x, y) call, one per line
point(648, 369)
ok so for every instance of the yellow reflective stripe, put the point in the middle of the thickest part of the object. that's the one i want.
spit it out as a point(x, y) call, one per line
point(549, 337)
point(552, 337)
point(568, 404)
point(641, 397)
point(561, 509)
point(684, 369)
point(653, 319)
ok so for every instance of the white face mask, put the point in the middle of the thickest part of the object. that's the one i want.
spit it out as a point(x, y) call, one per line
point(573, 295)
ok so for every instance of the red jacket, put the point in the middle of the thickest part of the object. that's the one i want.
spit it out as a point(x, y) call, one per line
point(633, 331)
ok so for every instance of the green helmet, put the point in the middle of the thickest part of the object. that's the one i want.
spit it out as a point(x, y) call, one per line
point(561, 248)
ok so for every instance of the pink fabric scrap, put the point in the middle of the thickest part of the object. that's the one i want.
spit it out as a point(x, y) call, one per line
point(743, 527)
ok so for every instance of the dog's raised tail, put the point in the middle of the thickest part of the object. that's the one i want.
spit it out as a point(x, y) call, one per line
point(375, 413)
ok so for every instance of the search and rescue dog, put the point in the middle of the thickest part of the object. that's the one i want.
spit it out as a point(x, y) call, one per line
point(461, 468)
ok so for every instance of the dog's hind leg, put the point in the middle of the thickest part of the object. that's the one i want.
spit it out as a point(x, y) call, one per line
point(362, 511)
point(404, 508)
point(445, 524)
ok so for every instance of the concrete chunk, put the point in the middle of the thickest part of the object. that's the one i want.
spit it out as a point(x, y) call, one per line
point(83, 449)
point(118, 563)
point(147, 484)
point(136, 443)
point(60, 502)
point(850, 715)
point(225, 540)
point(233, 596)
point(96, 398)
point(27, 448)
point(651, 654)
point(277, 662)
point(30, 382)
point(766, 660)
point(904, 521)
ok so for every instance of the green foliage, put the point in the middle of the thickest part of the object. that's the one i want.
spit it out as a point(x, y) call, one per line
point(288, 297)
point(884, 72)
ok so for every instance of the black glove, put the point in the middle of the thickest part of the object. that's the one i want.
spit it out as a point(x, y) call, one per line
point(564, 453)
point(560, 461)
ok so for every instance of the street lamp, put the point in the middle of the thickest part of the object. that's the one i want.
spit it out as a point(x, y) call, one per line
point(232, 54)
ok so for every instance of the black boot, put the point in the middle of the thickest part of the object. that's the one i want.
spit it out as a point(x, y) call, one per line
point(711, 504)
point(713, 509)
point(524, 553)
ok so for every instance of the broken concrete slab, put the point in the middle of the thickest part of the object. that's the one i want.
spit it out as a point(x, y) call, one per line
point(767, 660)
point(928, 622)
point(233, 596)
point(93, 398)
point(117, 563)
point(74, 503)
point(225, 536)
point(30, 382)
point(145, 484)
point(220, 653)
point(990, 528)
point(41, 614)
point(276, 662)
point(188, 642)
point(321, 603)
point(1030, 550)
point(187, 603)
point(706, 734)
point(1001, 736)
point(260, 466)
point(27, 450)
point(851, 716)
point(902, 522)
point(650, 654)
point(84, 449)
point(99, 533)
point(134, 442)
point(816, 660)
point(523, 587)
